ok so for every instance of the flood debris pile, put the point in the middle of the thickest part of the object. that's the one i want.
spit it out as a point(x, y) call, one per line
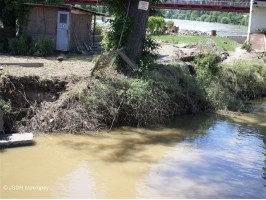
point(147, 98)
point(19, 94)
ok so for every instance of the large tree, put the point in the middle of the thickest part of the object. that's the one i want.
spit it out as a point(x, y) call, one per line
point(126, 11)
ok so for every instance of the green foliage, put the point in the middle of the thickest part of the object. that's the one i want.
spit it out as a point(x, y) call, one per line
point(5, 106)
point(113, 34)
point(44, 47)
point(3, 44)
point(221, 42)
point(96, 58)
point(149, 53)
point(207, 16)
point(170, 24)
point(228, 87)
point(114, 100)
point(225, 20)
point(261, 31)
point(24, 45)
point(155, 24)
point(247, 46)
point(21, 45)
point(249, 78)
point(207, 66)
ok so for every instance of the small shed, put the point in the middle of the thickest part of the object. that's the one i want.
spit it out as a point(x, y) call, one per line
point(68, 25)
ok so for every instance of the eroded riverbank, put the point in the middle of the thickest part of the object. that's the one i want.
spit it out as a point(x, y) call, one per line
point(195, 156)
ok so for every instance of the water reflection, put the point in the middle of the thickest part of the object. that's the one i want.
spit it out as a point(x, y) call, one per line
point(217, 164)
point(195, 156)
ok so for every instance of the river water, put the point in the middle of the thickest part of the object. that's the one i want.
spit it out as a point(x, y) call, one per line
point(194, 156)
point(221, 29)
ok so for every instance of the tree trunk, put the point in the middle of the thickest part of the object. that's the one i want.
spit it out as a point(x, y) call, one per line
point(135, 40)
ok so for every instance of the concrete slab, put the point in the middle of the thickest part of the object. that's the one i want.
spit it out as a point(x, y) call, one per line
point(257, 42)
point(15, 140)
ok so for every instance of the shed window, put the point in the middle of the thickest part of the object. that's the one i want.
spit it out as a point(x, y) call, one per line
point(63, 18)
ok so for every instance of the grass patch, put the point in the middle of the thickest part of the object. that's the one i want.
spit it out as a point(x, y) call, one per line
point(222, 43)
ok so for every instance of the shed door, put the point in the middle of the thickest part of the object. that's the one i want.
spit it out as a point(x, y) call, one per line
point(62, 39)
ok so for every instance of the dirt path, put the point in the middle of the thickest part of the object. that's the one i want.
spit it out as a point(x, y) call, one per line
point(72, 65)
point(238, 54)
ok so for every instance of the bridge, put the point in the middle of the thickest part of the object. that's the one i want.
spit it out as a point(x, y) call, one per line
point(208, 5)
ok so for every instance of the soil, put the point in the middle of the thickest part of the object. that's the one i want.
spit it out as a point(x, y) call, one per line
point(174, 51)
point(72, 65)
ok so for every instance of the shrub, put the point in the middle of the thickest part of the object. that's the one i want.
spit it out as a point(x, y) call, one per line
point(21, 45)
point(225, 20)
point(98, 103)
point(5, 106)
point(155, 24)
point(170, 24)
point(99, 29)
point(44, 47)
point(24, 45)
point(247, 46)
point(149, 53)
point(3, 43)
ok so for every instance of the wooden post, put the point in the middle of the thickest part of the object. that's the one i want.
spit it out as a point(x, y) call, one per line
point(94, 31)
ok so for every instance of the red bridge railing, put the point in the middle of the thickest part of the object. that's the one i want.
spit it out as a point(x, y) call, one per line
point(211, 5)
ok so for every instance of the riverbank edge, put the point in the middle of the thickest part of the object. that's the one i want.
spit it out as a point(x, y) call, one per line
point(94, 103)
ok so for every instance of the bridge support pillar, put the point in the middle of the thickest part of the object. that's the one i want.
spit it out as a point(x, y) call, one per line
point(257, 17)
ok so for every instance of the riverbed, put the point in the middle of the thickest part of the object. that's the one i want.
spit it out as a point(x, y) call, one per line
point(194, 156)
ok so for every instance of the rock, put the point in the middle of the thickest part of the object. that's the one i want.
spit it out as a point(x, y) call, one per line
point(180, 54)
point(190, 45)
point(1, 68)
point(51, 121)
point(60, 59)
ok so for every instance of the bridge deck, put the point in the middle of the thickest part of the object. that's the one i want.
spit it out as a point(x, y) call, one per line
point(211, 5)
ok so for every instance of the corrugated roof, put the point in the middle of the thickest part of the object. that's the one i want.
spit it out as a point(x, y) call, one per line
point(69, 7)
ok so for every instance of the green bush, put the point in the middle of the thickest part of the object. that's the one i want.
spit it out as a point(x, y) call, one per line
point(247, 46)
point(113, 33)
point(155, 24)
point(5, 106)
point(44, 47)
point(24, 45)
point(3, 43)
point(21, 45)
point(228, 87)
point(170, 24)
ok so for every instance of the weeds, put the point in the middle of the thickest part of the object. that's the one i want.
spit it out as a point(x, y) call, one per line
point(247, 46)
point(25, 45)
point(160, 92)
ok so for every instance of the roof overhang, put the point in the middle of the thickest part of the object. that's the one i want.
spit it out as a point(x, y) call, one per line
point(73, 9)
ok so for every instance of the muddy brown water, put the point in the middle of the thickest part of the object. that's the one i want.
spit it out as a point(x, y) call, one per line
point(199, 156)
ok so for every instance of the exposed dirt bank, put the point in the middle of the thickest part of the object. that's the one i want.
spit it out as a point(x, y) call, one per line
point(22, 93)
